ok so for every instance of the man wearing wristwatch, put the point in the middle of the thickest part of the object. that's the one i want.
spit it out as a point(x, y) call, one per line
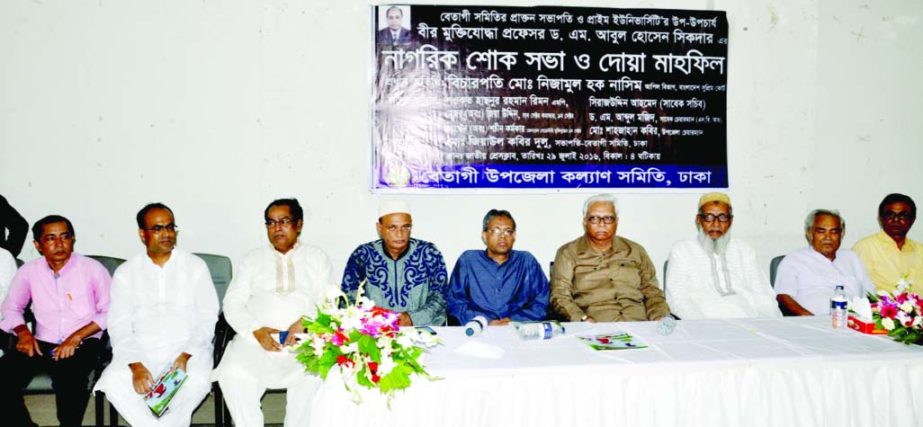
point(603, 277)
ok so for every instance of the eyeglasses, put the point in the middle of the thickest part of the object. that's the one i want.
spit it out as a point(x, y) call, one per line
point(608, 219)
point(897, 216)
point(63, 237)
point(497, 232)
point(393, 229)
point(284, 222)
point(160, 228)
point(723, 217)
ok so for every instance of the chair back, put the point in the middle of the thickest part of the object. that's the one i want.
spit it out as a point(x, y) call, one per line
point(111, 263)
point(221, 271)
point(773, 267)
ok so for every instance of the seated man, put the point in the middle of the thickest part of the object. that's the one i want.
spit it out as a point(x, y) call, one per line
point(69, 294)
point(274, 287)
point(716, 275)
point(163, 313)
point(402, 274)
point(603, 277)
point(808, 277)
point(499, 283)
point(890, 257)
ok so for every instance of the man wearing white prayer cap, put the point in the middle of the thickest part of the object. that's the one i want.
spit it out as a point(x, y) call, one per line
point(715, 275)
point(274, 286)
point(400, 273)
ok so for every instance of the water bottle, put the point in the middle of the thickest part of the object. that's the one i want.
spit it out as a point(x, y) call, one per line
point(539, 330)
point(838, 312)
point(475, 326)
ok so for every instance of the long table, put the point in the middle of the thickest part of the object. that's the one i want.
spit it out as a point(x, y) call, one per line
point(745, 372)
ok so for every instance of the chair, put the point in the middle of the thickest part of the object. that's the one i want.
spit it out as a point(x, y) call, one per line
point(41, 383)
point(773, 267)
point(111, 264)
point(222, 272)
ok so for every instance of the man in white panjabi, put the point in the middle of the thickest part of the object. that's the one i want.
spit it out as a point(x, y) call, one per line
point(274, 287)
point(715, 275)
point(162, 314)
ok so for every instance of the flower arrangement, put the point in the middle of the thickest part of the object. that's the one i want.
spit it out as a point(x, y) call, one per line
point(900, 313)
point(365, 343)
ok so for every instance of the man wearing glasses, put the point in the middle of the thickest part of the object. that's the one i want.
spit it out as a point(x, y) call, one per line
point(603, 277)
point(273, 288)
point(715, 275)
point(69, 294)
point(162, 317)
point(398, 272)
point(499, 283)
point(892, 258)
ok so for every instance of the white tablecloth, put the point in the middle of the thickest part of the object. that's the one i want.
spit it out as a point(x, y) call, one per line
point(754, 372)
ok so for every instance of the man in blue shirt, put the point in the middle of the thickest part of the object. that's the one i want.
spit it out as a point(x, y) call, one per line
point(498, 283)
point(398, 272)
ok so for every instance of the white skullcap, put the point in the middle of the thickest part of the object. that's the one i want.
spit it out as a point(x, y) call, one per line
point(388, 207)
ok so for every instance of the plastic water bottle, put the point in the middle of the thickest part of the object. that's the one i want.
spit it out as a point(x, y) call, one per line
point(539, 330)
point(475, 326)
point(666, 325)
point(838, 312)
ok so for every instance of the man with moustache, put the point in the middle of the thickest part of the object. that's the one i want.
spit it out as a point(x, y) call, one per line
point(274, 287)
point(162, 317)
point(808, 277)
point(716, 275)
point(603, 277)
point(398, 272)
point(499, 283)
point(890, 256)
point(69, 296)
point(394, 33)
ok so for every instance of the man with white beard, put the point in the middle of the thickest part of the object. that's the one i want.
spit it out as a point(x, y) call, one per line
point(715, 275)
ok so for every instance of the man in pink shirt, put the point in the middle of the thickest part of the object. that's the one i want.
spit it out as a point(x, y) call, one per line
point(69, 294)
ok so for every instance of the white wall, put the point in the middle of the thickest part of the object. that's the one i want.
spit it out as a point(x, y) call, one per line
point(217, 107)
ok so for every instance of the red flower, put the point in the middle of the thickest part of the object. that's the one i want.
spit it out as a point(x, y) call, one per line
point(889, 311)
point(373, 367)
point(379, 311)
point(375, 378)
point(345, 361)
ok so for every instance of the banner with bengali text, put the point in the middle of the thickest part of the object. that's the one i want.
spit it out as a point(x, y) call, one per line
point(468, 97)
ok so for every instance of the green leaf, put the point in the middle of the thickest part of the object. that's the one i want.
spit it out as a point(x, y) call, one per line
point(369, 346)
point(362, 379)
point(397, 379)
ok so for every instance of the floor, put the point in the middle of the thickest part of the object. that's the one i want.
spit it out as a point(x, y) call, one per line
point(42, 409)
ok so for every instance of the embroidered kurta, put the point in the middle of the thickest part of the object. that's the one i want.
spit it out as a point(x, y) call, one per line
point(415, 282)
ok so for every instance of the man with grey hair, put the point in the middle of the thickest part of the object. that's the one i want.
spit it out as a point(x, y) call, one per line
point(603, 277)
point(715, 275)
point(808, 277)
